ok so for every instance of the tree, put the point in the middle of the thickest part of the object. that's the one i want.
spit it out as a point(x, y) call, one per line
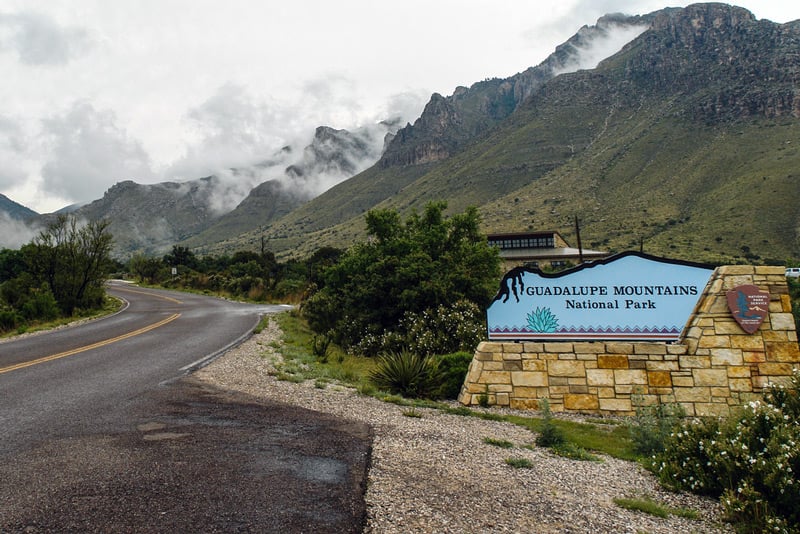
point(425, 262)
point(73, 261)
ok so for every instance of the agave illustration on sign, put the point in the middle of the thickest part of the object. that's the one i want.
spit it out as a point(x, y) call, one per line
point(542, 320)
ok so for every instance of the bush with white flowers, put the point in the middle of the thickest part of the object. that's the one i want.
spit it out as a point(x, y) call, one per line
point(751, 461)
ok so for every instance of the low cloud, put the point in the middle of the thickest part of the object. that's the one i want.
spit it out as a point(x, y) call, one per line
point(603, 44)
point(12, 153)
point(15, 233)
point(38, 40)
point(244, 141)
point(87, 151)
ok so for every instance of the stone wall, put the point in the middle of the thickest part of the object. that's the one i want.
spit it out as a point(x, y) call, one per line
point(715, 366)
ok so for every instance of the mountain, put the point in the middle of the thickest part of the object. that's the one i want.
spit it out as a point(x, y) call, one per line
point(151, 218)
point(12, 210)
point(685, 143)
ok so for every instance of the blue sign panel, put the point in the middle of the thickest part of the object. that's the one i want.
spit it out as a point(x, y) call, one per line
point(630, 296)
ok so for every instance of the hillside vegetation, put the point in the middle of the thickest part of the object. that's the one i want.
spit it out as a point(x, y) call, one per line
point(684, 143)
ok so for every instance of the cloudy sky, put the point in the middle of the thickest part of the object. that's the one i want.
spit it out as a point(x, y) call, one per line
point(99, 91)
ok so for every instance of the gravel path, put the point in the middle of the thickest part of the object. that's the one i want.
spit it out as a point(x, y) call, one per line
point(435, 474)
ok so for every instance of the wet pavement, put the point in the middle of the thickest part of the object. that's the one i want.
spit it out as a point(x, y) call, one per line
point(193, 458)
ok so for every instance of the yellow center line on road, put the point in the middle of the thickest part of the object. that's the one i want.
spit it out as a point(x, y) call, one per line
point(89, 347)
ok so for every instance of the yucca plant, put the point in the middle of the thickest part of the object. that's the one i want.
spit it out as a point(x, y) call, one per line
point(406, 373)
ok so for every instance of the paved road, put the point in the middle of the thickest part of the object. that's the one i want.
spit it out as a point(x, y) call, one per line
point(103, 430)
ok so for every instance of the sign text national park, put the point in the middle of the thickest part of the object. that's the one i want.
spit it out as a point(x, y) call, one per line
point(629, 296)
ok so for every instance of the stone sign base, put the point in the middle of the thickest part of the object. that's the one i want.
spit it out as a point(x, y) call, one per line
point(714, 367)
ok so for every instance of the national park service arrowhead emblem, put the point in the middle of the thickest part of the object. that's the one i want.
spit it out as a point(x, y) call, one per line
point(749, 306)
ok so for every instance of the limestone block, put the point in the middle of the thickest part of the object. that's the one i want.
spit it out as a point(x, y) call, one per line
point(580, 402)
point(727, 327)
point(581, 389)
point(710, 342)
point(619, 348)
point(475, 370)
point(645, 400)
point(558, 347)
point(747, 342)
point(659, 378)
point(676, 349)
point(476, 388)
point(682, 381)
point(754, 357)
point(567, 356)
point(692, 362)
point(782, 321)
point(630, 376)
point(637, 364)
point(778, 336)
point(743, 371)
point(534, 365)
point(616, 405)
point(503, 399)
point(501, 388)
point(695, 394)
point(605, 361)
point(776, 306)
point(566, 368)
point(529, 392)
point(726, 357)
point(493, 366)
point(695, 332)
point(661, 392)
point(688, 408)
point(703, 409)
point(662, 366)
point(625, 390)
point(484, 356)
point(774, 369)
point(512, 356)
point(606, 393)
point(529, 379)
point(512, 366)
point(649, 348)
point(488, 346)
point(740, 384)
point(786, 304)
point(720, 393)
point(600, 377)
point(710, 377)
point(558, 391)
point(783, 352)
point(558, 380)
point(495, 377)
point(533, 347)
point(587, 357)
point(589, 347)
point(705, 322)
point(524, 404)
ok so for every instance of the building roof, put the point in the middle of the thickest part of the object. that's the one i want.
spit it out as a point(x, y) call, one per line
point(533, 253)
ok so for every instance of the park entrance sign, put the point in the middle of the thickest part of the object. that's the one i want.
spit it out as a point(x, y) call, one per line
point(629, 296)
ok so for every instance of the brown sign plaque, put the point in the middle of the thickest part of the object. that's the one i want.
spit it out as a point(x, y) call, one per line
point(749, 306)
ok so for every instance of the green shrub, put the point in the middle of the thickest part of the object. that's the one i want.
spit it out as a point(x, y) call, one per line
point(519, 463)
point(41, 305)
point(452, 372)
point(652, 425)
point(549, 435)
point(9, 320)
point(406, 373)
point(445, 329)
point(751, 461)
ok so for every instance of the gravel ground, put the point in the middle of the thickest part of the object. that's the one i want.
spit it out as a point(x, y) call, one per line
point(434, 473)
